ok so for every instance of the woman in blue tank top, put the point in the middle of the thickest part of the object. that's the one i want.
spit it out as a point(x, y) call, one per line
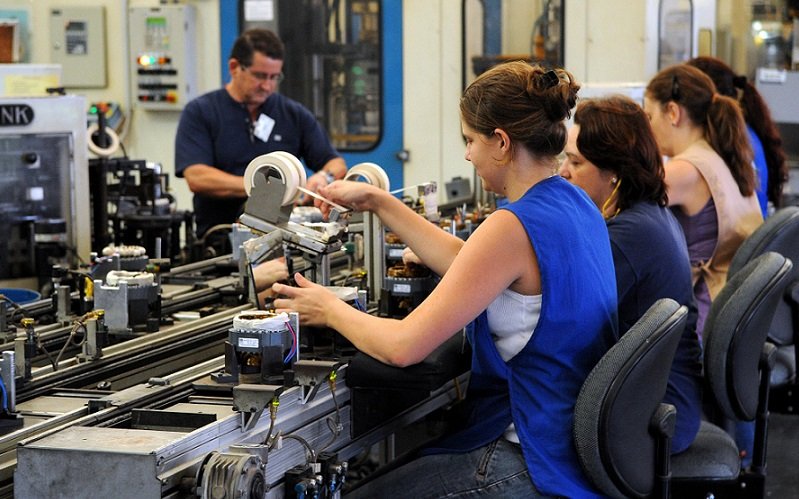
point(535, 280)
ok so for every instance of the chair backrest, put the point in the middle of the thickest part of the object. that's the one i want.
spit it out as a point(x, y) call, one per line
point(619, 398)
point(779, 233)
point(735, 331)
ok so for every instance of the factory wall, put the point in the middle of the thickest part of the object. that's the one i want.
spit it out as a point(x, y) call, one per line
point(433, 75)
point(147, 134)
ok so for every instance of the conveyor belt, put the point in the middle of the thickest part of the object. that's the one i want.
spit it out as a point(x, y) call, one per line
point(168, 349)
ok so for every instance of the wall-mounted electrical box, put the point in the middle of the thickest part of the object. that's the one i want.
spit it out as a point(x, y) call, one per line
point(162, 54)
point(9, 40)
point(77, 42)
point(14, 35)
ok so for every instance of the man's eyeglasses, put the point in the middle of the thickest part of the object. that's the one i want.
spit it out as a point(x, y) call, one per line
point(276, 77)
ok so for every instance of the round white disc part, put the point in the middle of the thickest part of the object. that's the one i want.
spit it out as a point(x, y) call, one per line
point(289, 170)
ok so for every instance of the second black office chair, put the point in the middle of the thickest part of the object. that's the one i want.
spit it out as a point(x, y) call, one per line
point(622, 431)
point(779, 233)
point(738, 362)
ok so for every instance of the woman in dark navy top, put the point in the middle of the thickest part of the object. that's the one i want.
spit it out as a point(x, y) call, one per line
point(536, 277)
point(612, 154)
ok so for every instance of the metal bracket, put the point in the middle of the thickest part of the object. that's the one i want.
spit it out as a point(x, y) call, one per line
point(261, 248)
point(266, 197)
point(250, 400)
point(311, 374)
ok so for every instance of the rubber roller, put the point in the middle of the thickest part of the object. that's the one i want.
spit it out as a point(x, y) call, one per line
point(370, 173)
point(289, 170)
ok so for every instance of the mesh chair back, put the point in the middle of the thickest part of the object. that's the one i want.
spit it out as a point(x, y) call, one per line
point(779, 233)
point(736, 329)
point(618, 399)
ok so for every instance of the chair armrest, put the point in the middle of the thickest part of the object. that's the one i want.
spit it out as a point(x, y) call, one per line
point(768, 357)
point(663, 421)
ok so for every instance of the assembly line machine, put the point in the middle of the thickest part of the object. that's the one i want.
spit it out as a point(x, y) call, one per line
point(139, 379)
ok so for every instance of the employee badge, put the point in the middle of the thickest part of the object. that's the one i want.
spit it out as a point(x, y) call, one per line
point(263, 127)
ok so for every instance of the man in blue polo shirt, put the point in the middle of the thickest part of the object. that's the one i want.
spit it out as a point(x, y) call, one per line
point(222, 131)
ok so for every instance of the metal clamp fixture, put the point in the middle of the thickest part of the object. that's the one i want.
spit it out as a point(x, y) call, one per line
point(311, 374)
point(273, 182)
point(251, 400)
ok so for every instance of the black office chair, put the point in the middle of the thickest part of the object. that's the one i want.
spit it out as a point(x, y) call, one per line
point(622, 431)
point(779, 233)
point(738, 362)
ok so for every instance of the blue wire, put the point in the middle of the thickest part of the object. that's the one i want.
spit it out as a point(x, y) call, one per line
point(5, 394)
point(294, 346)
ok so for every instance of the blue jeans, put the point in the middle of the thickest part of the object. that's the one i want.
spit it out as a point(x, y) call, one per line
point(745, 438)
point(496, 470)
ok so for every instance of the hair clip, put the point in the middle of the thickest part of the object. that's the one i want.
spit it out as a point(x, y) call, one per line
point(675, 88)
point(550, 78)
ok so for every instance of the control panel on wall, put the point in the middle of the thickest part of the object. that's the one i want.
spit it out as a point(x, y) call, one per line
point(162, 41)
point(77, 36)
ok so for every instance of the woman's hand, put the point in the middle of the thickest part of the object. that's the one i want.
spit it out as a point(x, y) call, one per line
point(408, 256)
point(358, 196)
point(310, 300)
point(270, 272)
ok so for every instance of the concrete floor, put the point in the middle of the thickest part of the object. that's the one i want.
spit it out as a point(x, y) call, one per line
point(783, 456)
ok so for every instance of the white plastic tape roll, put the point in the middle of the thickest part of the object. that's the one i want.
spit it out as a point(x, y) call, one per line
point(288, 167)
point(103, 152)
point(372, 173)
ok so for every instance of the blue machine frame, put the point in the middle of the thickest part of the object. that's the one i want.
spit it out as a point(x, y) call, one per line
point(386, 152)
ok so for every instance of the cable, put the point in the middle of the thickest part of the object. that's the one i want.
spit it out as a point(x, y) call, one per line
point(41, 348)
point(78, 324)
point(5, 394)
point(335, 430)
point(307, 446)
point(215, 228)
point(271, 440)
point(17, 308)
point(293, 350)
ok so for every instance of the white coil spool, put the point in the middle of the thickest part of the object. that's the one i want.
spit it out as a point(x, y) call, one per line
point(260, 320)
point(372, 173)
point(102, 152)
point(114, 277)
point(289, 168)
point(124, 250)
